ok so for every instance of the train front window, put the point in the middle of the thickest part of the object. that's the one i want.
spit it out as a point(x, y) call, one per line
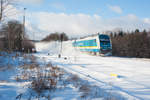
point(105, 42)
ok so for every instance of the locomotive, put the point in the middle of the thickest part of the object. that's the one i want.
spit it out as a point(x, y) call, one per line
point(99, 44)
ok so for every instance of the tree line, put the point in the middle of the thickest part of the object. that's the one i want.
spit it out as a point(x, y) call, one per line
point(131, 44)
point(56, 37)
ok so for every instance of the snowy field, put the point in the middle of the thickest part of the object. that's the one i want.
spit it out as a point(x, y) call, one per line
point(129, 77)
point(98, 78)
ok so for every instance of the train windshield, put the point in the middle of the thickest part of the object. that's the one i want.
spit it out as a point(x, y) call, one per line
point(105, 42)
point(104, 38)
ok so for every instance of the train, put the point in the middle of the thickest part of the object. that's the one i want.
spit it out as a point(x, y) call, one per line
point(99, 44)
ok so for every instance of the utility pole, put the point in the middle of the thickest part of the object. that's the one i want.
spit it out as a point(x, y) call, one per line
point(24, 22)
point(1, 13)
point(23, 29)
point(75, 46)
point(61, 40)
point(24, 18)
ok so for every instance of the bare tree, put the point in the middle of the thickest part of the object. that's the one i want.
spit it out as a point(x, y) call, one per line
point(5, 8)
point(13, 35)
point(15, 38)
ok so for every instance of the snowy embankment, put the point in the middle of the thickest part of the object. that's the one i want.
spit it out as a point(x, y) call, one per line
point(126, 76)
point(26, 77)
point(9, 88)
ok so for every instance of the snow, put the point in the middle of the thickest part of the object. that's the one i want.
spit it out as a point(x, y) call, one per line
point(118, 76)
point(127, 76)
point(9, 88)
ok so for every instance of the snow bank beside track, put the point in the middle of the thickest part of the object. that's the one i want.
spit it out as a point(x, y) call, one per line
point(133, 73)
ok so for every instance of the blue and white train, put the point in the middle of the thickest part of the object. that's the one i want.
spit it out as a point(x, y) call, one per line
point(98, 44)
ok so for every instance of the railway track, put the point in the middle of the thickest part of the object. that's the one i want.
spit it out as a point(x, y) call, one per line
point(84, 73)
point(102, 83)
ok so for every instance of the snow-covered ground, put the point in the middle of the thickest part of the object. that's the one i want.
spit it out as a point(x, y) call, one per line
point(114, 77)
point(17, 75)
point(9, 88)
point(129, 77)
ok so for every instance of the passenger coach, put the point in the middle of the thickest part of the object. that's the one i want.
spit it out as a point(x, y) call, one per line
point(98, 44)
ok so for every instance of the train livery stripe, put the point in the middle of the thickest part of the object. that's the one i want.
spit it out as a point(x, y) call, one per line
point(90, 50)
point(88, 46)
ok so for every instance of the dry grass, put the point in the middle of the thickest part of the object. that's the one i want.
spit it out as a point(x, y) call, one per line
point(46, 80)
point(49, 78)
point(30, 66)
point(42, 78)
point(75, 80)
point(85, 89)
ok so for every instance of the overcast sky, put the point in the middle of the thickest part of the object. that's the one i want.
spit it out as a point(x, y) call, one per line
point(83, 17)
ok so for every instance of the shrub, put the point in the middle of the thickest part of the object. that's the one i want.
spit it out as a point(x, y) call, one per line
point(85, 89)
point(28, 46)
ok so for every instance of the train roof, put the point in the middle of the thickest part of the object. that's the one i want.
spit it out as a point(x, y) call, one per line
point(93, 35)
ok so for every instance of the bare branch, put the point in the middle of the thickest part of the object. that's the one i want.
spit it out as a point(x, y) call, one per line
point(4, 8)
